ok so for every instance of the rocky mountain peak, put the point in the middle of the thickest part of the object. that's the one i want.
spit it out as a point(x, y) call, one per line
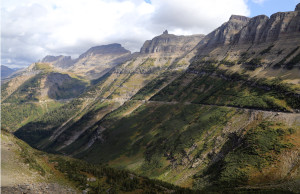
point(239, 18)
point(58, 61)
point(50, 58)
point(225, 33)
point(170, 43)
point(297, 7)
point(110, 49)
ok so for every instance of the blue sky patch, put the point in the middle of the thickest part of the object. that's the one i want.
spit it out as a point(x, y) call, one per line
point(268, 7)
point(148, 1)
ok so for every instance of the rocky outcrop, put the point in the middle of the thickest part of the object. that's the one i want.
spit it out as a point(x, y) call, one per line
point(253, 31)
point(282, 25)
point(256, 30)
point(262, 29)
point(170, 43)
point(225, 34)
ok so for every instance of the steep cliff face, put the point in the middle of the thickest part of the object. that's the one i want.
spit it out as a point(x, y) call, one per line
point(225, 33)
point(257, 46)
point(170, 44)
point(252, 32)
point(282, 25)
point(256, 30)
point(262, 29)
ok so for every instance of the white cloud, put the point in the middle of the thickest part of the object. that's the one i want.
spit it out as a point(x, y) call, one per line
point(32, 29)
point(258, 1)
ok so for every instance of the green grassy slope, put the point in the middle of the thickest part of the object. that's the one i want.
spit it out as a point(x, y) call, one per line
point(61, 126)
point(205, 83)
point(39, 167)
point(37, 96)
point(181, 143)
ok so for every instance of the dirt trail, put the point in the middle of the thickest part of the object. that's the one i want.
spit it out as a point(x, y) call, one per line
point(13, 170)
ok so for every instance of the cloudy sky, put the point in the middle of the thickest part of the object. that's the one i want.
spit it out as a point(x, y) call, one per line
point(32, 29)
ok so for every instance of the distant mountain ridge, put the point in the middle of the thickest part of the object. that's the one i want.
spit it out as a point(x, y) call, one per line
point(99, 60)
point(6, 71)
point(114, 49)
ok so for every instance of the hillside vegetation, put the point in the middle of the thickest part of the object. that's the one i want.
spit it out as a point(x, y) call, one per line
point(48, 173)
point(215, 113)
point(37, 95)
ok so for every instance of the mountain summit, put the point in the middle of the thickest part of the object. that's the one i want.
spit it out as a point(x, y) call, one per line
point(110, 49)
point(170, 44)
point(297, 7)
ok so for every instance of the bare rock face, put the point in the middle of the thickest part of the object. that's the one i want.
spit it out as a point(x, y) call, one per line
point(59, 61)
point(261, 29)
point(256, 30)
point(281, 25)
point(225, 33)
point(170, 43)
point(252, 32)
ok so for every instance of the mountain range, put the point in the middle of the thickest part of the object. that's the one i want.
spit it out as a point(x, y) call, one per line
point(6, 71)
point(216, 112)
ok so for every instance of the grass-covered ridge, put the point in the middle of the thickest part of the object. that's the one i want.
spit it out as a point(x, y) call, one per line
point(47, 83)
point(45, 91)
